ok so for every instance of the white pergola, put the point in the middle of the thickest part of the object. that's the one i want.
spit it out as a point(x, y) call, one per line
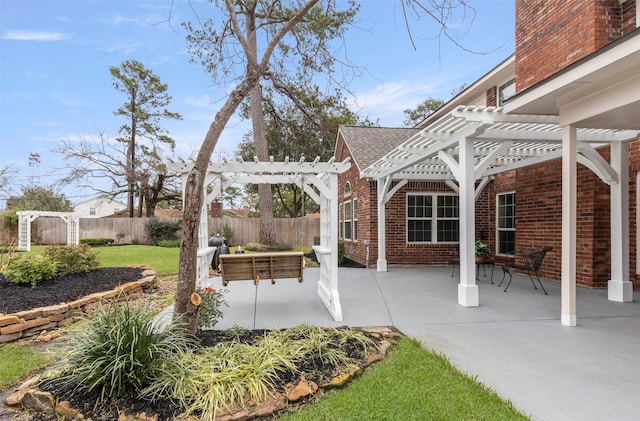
point(318, 179)
point(472, 144)
point(25, 218)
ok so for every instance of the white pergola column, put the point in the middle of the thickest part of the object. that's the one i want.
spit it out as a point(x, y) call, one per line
point(467, 288)
point(620, 288)
point(569, 205)
point(381, 264)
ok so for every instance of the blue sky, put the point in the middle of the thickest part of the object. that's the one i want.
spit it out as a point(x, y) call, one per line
point(55, 82)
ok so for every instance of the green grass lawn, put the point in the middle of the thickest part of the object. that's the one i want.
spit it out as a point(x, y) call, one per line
point(410, 384)
point(164, 260)
point(18, 361)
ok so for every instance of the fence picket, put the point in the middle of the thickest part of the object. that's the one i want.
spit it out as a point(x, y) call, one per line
point(297, 232)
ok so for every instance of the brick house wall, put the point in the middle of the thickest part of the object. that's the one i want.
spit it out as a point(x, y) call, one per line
point(551, 35)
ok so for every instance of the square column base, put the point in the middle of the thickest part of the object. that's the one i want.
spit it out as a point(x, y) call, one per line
point(568, 320)
point(620, 291)
point(468, 295)
point(381, 265)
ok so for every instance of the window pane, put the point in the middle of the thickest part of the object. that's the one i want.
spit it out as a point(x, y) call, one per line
point(355, 209)
point(419, 231)
point(448, 207)
point(506, 242)
point(347, 230)
point(448, 230)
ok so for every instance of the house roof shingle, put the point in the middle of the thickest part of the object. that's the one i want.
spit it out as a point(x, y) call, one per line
point(368, 144)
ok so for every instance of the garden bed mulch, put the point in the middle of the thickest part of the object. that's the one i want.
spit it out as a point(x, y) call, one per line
point(130, 408)
point(68, 288)
point(62, 289)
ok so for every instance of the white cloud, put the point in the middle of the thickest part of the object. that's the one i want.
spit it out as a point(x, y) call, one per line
point(71, 102)
point(386, 102)
point(124, 48)
point(202, 101)
point(20, 35)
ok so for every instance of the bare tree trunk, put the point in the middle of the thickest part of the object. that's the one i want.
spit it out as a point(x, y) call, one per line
point(193, 198)
point(153, 192)
point(194, 189)
point(265, 197)
point(184, 309)
point(141, 194)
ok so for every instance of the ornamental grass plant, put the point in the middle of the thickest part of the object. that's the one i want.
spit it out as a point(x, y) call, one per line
point(121, 350)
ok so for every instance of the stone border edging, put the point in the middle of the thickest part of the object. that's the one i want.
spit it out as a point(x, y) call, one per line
point(28, 323)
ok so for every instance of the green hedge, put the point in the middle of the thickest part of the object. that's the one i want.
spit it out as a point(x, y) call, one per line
point(96, 241)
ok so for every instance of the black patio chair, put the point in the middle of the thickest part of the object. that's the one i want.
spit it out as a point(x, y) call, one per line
point(532, 260)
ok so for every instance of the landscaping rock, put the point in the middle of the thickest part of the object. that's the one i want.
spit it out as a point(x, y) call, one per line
point(342, 379)
point(38, 401)
point(276, 402)
point(65, 411)
point(303, 389)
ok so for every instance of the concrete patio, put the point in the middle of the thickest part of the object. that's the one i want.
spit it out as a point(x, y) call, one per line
point(513, 342)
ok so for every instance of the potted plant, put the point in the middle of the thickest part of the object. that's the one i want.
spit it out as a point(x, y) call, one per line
point(482, 250)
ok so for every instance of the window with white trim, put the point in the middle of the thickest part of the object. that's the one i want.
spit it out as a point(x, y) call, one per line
point(506, 91)
point(506, 222)
point(92, 211)
point(355, 219)
point(433, 218)
point(347, 220)
point(347, 188)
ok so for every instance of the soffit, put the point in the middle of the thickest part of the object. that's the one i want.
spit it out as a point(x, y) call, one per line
point(610, 67)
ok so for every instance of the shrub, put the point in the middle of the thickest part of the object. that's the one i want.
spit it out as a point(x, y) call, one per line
point(11, 219)
point(96, 241)
point(209, 312)
point(72, 259)
point(226, 231)
point(122, 350)
point(265, 247)
point(158, 230)
point(169, 243)
point(30, 269)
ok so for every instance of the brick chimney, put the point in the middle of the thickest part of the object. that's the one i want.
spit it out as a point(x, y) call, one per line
point(216, 209)
point(550, 35)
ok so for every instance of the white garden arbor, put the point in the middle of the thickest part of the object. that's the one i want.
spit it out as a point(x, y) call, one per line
point(318, 179)
point(25, 218)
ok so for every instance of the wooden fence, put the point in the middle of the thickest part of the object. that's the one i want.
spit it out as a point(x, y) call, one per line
point(297, 232)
